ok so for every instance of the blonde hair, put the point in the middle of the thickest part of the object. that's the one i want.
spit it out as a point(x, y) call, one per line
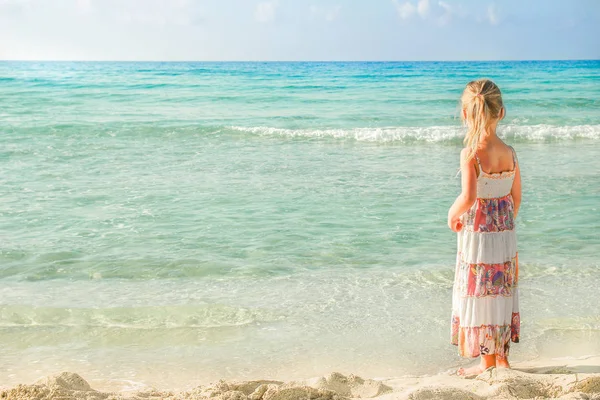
point(481, 104)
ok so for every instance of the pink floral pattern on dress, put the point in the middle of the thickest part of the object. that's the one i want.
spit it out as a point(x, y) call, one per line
point(494, 215)
point(455, 327)
point(490, 279)
point(484, 340)
point(515, 327)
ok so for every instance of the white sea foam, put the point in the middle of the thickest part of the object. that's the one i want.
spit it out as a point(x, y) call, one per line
point(550, 132)
point(432, 134)
point(385, 134)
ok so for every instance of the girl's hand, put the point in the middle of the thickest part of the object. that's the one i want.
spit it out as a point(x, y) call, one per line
point(455, 224)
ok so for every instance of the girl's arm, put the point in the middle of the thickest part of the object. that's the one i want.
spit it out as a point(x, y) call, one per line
point(515, 192)
point(467, 197)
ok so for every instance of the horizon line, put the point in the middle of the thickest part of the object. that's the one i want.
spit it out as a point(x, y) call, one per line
point(298, 61)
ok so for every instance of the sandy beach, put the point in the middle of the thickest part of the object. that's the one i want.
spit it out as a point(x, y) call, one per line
point(541, 379)
point(260, 200)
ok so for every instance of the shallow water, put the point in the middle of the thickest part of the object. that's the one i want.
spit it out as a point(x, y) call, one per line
point(169, 223)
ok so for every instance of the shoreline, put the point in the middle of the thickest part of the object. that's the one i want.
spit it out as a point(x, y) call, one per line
point(563, 378)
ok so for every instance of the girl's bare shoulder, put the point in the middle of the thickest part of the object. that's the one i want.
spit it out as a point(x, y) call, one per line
point(465, 156)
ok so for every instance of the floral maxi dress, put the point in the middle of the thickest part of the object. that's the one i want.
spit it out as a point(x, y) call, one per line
point(485, 298)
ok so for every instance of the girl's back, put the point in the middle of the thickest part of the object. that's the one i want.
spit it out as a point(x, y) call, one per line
point(496, 157)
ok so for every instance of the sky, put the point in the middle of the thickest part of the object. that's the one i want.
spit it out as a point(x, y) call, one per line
point(297, 30)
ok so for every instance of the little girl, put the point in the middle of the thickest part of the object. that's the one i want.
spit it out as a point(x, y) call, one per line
point(485, 299)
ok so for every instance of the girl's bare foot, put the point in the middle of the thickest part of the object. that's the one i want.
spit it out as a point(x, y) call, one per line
point(486, 362)
point(502, 362)
point(475, 370)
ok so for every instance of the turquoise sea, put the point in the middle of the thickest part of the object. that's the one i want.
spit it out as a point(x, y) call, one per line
point(171, 224)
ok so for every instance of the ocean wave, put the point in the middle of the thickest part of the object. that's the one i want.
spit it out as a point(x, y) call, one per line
point(433, 134)
point(168, 317)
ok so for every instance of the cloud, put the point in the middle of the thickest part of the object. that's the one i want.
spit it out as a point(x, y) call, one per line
point(446, 17)
point(154, 12)
point(423, 8)
point(493, 14)
point(10, 3)
point(265, 11)
point(443, 12)
point(83, 6)
point(407, 9)
point(14, 7)
point(328, 14)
